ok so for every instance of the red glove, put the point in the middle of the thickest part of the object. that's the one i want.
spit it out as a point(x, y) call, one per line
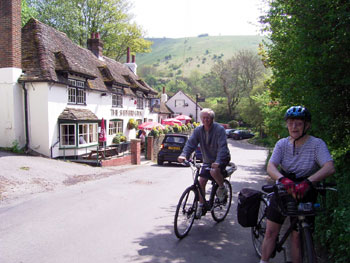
point(302, 188)
point(288, 184)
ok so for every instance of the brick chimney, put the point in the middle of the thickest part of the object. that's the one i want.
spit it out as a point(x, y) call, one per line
point(10, 32)
point(95, 45)
point(132, 65)
point(11, 92)
point(164, 96)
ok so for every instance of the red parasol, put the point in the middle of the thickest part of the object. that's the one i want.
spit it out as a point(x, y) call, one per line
point(183, 118)
point(171, 121)
point(149, 125)
point(102, 136)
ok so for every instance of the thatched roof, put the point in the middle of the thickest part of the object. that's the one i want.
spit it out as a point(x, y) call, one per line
point(48, 54)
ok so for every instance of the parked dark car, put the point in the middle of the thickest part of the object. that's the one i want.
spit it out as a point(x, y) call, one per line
point(229, 133)
point(171, 148)
point(242, 134)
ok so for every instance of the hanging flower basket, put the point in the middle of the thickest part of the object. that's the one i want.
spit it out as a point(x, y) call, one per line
point(132, 124)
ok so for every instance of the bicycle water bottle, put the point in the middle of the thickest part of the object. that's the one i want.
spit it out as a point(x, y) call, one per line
point(306, 207)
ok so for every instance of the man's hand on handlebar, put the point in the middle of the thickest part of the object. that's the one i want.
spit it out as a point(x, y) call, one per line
point(181, 159)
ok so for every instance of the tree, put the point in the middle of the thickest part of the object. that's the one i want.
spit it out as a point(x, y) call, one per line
point(310, 59)
point(79, 18)
point(237, 77)
point(27, 12)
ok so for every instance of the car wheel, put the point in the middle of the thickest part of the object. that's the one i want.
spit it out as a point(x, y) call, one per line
point(159, 162)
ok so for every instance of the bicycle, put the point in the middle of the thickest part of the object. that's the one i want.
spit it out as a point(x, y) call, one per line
point(187, 206)
point(298, 210)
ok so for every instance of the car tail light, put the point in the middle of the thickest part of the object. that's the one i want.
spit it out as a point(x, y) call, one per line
point(162, 146)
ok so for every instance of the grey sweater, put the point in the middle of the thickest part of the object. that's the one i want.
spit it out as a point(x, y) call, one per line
point(213, 145)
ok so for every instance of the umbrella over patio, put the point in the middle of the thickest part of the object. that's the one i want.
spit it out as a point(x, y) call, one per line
point(183, 118)
point(171, 121)
point(149, 125)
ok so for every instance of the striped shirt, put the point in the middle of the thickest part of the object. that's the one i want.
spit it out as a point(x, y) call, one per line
point(307, 160)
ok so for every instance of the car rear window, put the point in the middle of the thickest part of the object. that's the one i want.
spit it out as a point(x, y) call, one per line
point(175, 139)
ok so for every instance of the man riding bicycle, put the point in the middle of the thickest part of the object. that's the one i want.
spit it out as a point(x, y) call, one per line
point(212, 138)
point(303, 160)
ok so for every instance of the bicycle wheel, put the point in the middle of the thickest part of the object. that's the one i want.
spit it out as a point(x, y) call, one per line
point(258, 231)
point(221, 209)
point(185, 212)
point(308, 254)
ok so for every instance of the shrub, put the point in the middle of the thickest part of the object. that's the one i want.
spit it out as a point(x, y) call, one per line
point(118, 138)
point(196, 124)
point(177, 128)
point(189, 126)
point(233, 124)
point(154, 132)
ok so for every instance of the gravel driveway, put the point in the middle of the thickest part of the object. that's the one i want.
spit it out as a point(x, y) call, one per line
point(23, 175)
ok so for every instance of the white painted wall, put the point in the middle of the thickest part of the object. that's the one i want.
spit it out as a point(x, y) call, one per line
point(11, 108)
point(47, 101)
point(186, 110)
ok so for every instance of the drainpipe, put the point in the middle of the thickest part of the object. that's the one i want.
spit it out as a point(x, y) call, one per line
point(26, 115)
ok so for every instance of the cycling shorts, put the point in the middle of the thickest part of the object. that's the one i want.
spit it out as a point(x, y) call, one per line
point(205, 173)
point(273, 212)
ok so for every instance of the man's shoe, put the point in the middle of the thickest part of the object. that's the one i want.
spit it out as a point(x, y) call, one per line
point(199, 211)
point(221, 193)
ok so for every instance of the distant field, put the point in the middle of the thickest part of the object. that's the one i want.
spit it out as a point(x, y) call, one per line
point(188, 54)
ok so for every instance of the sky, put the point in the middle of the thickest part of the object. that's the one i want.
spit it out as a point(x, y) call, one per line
point(190, 18)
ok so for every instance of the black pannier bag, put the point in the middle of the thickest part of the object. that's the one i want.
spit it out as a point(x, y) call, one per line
point(248, 207)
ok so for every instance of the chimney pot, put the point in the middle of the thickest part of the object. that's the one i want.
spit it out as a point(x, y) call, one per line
point(128, 55)
point(95, 45)
point(163, 90)
point(133, 58)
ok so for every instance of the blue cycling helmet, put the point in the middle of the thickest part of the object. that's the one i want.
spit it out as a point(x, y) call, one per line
point(298, 112)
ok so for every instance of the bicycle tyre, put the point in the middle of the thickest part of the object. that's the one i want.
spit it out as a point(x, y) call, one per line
point(221, 209)
point(258, 231)
point(185, 212)
point(308, 254)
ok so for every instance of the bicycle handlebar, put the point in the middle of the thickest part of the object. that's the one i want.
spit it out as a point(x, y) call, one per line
point(290, 207)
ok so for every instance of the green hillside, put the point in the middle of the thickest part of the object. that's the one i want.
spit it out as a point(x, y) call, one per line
point(188, 54)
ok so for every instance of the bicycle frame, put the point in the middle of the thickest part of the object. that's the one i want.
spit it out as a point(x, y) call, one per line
point(186, 209)
point(299, 217)
point(208, 204)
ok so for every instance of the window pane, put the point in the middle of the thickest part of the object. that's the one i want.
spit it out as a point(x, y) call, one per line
point(67, 134)
point(81, 96)
point(71, 95)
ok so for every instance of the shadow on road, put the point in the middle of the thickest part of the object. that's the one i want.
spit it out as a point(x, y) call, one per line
point(208, 241)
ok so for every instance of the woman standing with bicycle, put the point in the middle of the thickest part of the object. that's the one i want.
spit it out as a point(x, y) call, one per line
point(303, 160)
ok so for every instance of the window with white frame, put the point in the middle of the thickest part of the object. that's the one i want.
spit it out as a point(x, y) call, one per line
point(88, 133)
point(67, 135)
point(148, 103)
point(115, 126)
point(117, 100)
point(76, 92)
point(72, 95)
point(179, 103)
point(139, 103)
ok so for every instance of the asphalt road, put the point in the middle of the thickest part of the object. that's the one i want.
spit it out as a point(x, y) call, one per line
point(127, 216)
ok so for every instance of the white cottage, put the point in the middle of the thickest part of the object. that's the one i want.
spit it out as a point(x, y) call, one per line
point(53, 99)
point(181, 103)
